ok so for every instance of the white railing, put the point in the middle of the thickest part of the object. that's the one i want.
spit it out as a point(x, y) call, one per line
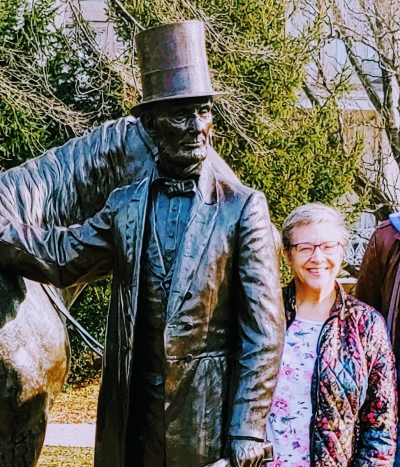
point(356, 248)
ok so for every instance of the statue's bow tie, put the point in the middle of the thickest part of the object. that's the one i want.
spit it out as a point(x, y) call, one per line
point(180, 188)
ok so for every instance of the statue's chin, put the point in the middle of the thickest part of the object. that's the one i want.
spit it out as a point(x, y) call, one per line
point(187, 158)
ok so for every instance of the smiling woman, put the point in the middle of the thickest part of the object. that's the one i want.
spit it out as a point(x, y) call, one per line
point(334, 402)
point(314, 237)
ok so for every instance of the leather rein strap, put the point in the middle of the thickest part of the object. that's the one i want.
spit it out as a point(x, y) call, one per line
point(86, 337)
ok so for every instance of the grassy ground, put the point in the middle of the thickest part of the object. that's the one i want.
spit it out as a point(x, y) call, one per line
point(72, 406)
point(55, 456)
point(76, 406)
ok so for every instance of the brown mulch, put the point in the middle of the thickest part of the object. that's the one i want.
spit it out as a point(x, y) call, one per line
point(76, 405)
point(55, 456)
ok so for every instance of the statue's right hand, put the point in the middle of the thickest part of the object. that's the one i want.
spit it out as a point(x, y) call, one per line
point(245, 452)
point(220, 463)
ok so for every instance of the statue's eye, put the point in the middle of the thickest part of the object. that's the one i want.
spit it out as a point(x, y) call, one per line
point(204, 112)
point(179, 116)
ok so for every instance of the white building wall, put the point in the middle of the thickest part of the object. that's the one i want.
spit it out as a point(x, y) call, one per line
point(95, 12)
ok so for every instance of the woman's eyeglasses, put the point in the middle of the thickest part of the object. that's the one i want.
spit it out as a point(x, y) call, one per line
point(307, 249)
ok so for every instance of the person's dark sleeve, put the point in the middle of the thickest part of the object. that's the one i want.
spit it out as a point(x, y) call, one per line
point(261, 323)
point(369, 283)
point(59, 256)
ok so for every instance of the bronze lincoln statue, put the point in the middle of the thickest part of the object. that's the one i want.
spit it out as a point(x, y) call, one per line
point(195, 326)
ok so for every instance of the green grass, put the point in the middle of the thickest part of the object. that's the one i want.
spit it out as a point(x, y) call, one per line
point(56, 456)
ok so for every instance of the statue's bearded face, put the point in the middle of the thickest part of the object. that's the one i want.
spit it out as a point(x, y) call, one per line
point(182, 131)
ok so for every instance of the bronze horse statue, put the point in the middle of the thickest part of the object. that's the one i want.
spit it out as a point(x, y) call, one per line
point(64, 186)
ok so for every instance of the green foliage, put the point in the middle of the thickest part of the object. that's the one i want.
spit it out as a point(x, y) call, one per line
point(90, 309)
point(53, 83)
point(24, 34)
point(292, 153)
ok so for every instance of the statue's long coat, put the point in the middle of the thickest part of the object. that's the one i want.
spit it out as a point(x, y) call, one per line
point(219, 375)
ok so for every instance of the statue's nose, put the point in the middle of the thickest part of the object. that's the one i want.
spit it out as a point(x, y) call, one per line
point(195, 124)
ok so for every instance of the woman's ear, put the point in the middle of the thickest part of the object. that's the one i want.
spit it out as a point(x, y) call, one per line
point(288, 256)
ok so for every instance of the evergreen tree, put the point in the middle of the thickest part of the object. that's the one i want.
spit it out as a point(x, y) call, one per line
point(52, 84)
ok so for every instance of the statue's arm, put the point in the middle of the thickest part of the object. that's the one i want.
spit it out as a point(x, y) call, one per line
point(261, 323)
point(59, 256)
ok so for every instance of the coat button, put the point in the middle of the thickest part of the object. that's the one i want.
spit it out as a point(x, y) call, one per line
point(188, 327)
point(188, 358)
point(188, 295)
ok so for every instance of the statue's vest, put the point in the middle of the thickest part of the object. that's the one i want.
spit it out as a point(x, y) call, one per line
point(148, 404)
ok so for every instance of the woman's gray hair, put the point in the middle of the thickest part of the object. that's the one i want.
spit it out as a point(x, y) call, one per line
point(314, 213)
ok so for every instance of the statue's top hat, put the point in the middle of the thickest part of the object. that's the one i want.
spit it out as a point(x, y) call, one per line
point(173, 63)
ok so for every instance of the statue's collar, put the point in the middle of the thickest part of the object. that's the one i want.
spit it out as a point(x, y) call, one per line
point(204, 178)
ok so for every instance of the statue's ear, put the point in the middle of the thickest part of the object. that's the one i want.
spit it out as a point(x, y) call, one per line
point(149, 123)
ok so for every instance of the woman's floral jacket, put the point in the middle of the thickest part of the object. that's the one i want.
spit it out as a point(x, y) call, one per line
point(353, 390)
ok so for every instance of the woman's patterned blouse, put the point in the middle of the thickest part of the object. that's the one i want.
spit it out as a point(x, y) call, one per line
point(353, 393)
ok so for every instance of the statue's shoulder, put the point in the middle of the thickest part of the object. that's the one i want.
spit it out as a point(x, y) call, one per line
point(232, 184)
